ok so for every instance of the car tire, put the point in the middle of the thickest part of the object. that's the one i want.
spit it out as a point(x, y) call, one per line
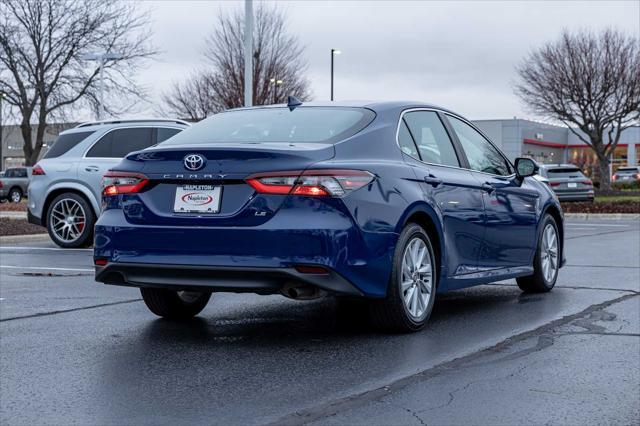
point(15, 195)
point(174, 304)
point(411, 291)
point(70, 221)
point(546, 262)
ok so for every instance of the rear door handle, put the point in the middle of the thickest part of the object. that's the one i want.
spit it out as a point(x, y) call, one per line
point(488, 187)
point(432, 180)
point(92, 168)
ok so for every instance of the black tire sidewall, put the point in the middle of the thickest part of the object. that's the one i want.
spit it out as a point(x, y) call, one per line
point(86, 238)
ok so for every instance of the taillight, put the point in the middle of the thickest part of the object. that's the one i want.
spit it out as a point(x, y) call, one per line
point(554, 183)
point(638, 176)
point(1, 184)
point(116, 183)
point(311, 183)
point(587, 182)
point(614, 178)
point(37, 171)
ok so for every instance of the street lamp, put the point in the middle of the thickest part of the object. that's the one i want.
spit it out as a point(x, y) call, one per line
point(2, 96)
point(102, 57)
point(275, 83)
point(333, 53)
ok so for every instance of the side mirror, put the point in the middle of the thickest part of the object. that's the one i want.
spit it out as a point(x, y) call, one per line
point(526, 167)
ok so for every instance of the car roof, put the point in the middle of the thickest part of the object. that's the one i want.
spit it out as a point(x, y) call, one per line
point(377, 106)
point(115, 123)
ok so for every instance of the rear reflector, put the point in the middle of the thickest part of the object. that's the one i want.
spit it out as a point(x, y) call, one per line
point(311, 183)
point(100, 262)
point(37, 171)
point(309, 269)
point(116, 183)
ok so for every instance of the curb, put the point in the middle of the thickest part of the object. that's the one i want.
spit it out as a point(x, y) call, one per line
point(605, 216)
point(13, 239)
point(13, 215)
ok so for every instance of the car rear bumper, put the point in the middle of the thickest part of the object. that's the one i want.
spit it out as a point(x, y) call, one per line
point(251, 258)
point(207, 278)
point(585, 195)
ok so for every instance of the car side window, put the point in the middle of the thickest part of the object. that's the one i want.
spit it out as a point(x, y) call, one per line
point(407, 145)
point(482, 156)
point(120, 142)
point(165, 133)
point(431, 138)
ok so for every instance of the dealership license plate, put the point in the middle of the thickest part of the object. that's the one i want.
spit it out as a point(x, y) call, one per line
point(197, 199)
point(572, 185)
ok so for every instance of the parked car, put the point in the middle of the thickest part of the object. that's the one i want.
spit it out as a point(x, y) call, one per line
point(14, 184)
point(568, 182)
point(627, 175)
point(65, 190)
point(390, 201)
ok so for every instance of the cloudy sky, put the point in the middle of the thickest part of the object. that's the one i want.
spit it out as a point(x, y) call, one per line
point(458, 54)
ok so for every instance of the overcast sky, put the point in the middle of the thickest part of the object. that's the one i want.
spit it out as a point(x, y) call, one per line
point(456, 54)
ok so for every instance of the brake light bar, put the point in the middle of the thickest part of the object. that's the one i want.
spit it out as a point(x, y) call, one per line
point(311, 183)
point(116, 183)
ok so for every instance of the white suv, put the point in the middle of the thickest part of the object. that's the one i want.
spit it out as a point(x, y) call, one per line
point(65, 187)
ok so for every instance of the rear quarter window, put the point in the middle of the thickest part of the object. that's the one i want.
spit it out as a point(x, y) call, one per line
point(65, 142)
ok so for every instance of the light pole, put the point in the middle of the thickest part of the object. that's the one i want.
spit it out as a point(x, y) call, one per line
point(2, 96)
point(102, 57)
point(275, 83)
point(248, 53)
point(333, 53)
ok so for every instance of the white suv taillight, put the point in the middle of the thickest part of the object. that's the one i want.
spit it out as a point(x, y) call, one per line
point(311, 183)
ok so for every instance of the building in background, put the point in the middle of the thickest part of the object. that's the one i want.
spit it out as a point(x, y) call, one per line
point(12, 143)
point(548, 143)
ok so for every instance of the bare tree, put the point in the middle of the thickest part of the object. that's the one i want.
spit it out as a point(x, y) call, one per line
point(276, 55)
point(591, 83)
point(193, 98)
point(42, 43)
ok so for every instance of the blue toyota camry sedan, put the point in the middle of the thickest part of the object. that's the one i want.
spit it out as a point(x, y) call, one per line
point(392, 202)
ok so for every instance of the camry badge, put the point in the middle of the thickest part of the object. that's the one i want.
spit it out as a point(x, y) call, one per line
point(194, 162)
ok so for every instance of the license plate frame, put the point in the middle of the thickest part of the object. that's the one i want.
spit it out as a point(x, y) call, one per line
point(199, 199)
point(572, 185)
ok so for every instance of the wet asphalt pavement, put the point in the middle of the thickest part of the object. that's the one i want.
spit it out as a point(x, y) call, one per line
point(75, 351)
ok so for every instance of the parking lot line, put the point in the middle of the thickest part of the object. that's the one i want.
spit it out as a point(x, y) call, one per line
point(604, 225)
point(44, 268)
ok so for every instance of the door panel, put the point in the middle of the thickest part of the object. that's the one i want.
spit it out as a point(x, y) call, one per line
point(510, 234)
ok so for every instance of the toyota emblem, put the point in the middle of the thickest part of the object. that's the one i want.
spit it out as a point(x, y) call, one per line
point(194, 162)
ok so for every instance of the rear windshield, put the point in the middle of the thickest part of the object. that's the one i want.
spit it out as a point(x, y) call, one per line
point(64, 143)
point(277, 125)
point(628, 169)
point(564, 172)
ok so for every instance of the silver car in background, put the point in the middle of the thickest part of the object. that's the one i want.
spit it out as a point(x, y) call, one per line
point(568, 182)
point(66, 184)
point(627, 175)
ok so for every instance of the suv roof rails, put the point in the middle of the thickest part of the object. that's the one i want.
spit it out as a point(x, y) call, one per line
point(133, 120)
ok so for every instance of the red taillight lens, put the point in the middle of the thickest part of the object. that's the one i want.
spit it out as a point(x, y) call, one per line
point(116, 183)
point(100, 262)
point(614, 178)
point(554, 183)
point(311, 269)
point(311, 183)
point(37, 171)
point(587, 182)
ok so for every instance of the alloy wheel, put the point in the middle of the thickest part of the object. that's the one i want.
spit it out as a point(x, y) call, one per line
point(68, 220)
point(16, 196)
point(417, 277)
point(549, 252)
